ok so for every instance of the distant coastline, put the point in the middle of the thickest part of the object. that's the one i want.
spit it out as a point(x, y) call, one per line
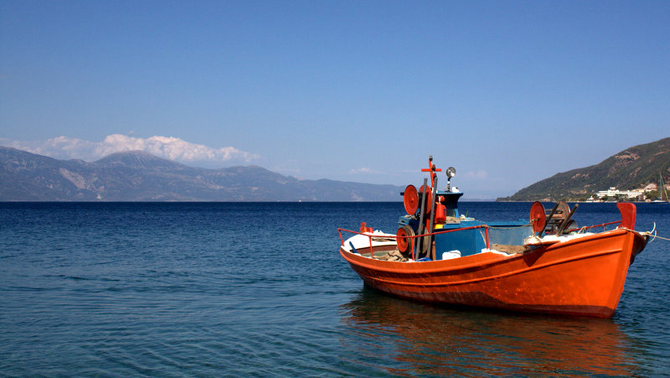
point(636, 171)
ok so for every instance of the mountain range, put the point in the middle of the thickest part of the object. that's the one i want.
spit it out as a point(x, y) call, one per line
point(140, 176)
point(632, 168)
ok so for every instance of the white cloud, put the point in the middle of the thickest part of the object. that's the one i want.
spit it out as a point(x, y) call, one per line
point(363, 170)
point(164, 147)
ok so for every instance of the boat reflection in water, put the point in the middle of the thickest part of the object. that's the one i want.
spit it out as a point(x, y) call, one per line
point(408, 338)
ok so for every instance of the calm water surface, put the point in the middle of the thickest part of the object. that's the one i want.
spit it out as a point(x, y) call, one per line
point(226, 289)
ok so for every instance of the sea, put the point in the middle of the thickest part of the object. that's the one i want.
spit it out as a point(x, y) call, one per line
point(260, 290)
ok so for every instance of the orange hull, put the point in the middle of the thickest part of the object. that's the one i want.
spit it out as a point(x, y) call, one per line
point(584, 276)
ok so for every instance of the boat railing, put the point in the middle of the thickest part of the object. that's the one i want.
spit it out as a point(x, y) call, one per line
point(603, 225)
point(412, 238)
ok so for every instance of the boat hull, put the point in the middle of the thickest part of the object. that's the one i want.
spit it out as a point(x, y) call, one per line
point(583, 277)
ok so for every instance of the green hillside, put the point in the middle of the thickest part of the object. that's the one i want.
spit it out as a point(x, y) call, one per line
point(630, 169)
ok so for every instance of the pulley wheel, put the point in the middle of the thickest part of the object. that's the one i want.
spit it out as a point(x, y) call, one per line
point(562, 211)
point(429, 198)
point(411, 199)
point(403, 239)
point(425, 246)
point(537, 216)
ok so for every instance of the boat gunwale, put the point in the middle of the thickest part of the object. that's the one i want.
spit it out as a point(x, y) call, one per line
point(485, 259)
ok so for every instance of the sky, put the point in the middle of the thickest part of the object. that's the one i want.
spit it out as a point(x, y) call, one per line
point(507, 92)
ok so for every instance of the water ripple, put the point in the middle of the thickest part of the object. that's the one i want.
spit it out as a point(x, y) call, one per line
point(176, 290)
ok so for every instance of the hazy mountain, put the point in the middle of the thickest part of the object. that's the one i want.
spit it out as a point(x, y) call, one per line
point(632, 168)
point(139, 176)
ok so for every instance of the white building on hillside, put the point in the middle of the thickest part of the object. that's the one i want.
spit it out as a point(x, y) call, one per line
point(613, 192)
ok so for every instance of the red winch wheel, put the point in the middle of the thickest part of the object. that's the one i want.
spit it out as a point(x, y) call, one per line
point(403, 238)
point(411, 199)
point(537, 216)
point(429, 197)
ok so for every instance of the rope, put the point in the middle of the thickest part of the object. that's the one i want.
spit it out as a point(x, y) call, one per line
point(653, 233)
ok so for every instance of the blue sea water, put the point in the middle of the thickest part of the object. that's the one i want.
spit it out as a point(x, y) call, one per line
point(259, 289)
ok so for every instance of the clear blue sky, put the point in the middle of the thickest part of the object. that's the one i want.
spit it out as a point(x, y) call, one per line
point(508, 92)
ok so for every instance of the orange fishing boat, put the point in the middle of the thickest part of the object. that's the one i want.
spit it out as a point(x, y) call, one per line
point(545, 264)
